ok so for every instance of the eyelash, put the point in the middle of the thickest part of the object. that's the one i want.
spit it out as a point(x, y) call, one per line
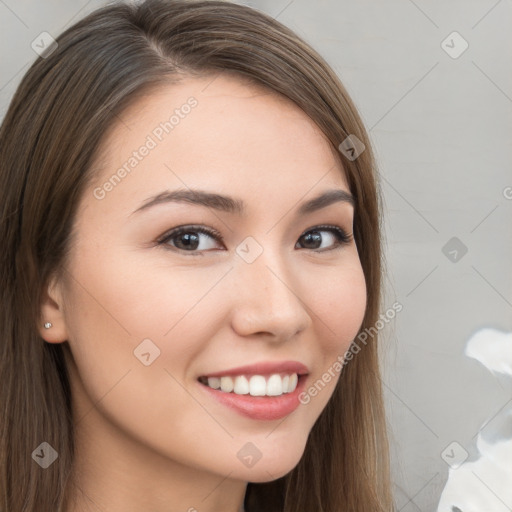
point(343, 237)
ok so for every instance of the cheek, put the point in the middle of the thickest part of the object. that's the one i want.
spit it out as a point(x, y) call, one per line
point(338, 304)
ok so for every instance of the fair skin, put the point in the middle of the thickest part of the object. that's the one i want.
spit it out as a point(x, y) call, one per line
point(148, 437)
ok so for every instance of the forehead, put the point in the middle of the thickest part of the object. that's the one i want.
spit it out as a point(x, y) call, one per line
point(218, 132)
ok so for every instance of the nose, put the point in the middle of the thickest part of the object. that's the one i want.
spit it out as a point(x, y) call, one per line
point(268, 300)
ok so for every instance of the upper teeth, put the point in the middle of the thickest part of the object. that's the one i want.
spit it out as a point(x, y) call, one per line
point(256, 385)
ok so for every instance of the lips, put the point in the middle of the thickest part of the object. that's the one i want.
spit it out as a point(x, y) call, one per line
point(263, 408)
point(258, 390)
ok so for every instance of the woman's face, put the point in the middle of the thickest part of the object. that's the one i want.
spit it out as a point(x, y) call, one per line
point(147, 312)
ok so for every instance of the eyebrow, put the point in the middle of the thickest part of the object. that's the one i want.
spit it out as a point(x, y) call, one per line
point(236, 206)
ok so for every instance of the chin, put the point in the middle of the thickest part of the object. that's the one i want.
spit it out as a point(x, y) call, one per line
point(270, 470)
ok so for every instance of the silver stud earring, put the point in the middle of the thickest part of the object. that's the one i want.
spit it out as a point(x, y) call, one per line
point(47, 325)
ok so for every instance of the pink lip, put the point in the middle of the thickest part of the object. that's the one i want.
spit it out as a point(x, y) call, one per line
point(263, 368)
point(266, 408)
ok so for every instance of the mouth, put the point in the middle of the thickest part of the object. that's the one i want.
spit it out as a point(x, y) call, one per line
point(256, 385)
point(258, 396)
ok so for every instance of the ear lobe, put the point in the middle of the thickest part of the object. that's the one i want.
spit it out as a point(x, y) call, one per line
point(52, 315)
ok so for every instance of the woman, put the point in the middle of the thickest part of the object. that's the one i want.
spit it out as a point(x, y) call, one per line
point(191, 246)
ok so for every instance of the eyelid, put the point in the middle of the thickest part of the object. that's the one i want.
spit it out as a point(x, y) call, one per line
point(189, 227)
point(325, 227)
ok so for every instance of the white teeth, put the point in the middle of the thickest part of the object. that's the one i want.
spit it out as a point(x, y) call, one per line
point(241, 386)
point(226, 384)
point(275, 386)
point(256, 385)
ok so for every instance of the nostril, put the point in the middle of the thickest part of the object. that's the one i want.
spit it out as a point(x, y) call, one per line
point(456, 509)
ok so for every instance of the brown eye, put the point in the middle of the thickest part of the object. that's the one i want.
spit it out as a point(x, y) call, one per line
point(188, 238)
point(313, 238)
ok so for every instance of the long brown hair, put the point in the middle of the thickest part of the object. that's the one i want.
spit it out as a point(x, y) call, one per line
point(49, 138)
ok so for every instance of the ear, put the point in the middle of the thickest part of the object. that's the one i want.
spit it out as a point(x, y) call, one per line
point(52, 311)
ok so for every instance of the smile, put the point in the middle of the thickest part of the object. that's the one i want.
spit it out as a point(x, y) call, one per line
point(255, 385)
point(263, 407)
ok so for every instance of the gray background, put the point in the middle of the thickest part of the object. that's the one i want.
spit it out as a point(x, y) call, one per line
point(442, 134)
